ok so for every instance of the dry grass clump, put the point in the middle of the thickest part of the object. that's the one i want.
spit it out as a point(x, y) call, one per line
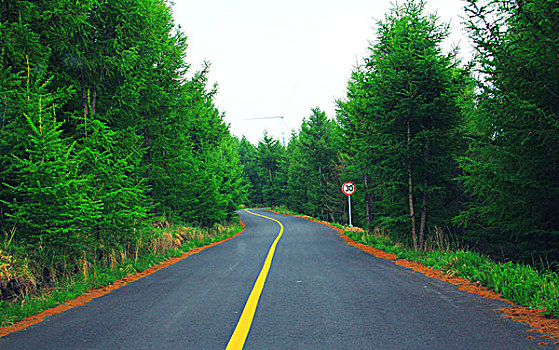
point(441, 240)
point(354, 229)
point(16, 278)
point(190, 233)
point(162, 242)
point(170, 236)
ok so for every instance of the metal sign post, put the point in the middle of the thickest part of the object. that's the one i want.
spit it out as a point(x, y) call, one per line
point(348, 189)
point(349, 206)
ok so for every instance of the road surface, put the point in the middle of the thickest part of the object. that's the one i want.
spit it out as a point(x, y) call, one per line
point(319, 293)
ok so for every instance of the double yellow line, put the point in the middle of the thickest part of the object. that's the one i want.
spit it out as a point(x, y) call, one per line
point(240, 333)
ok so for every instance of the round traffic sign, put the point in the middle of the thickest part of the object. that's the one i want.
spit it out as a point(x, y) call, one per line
point(348, 188)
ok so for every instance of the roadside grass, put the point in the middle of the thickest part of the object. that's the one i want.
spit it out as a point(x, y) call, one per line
point(161, 244)
point(519, 283)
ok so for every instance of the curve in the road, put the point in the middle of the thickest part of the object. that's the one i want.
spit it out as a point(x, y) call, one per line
point(240, 333)
point(318, 294)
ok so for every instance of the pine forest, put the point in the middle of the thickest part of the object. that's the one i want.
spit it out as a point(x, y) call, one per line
point(436, 146)
point(106, 133)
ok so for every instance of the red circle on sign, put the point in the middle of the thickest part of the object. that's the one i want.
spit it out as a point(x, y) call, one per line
point(348, 188)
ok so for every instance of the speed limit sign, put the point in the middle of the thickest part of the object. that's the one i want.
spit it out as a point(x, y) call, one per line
point(348, 188)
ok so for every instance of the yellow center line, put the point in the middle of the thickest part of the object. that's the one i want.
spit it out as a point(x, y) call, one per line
point(240, 333)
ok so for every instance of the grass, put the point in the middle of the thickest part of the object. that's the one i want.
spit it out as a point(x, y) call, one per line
point(520, 283)
point(164, 242)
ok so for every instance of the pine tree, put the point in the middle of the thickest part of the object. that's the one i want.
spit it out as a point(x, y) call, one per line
point(272, 170)
point(296, 176)
point(118, 130)
point(511, 169)
point(403, 111)
point(49, 202)
point(109, 178)
point(248, 156)
point(312, 185)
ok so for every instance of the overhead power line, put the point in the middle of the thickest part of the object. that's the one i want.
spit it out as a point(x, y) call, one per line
point(276, 117)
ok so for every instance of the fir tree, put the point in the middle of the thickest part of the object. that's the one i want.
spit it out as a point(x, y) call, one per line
point(512, 166)
point(405, 120)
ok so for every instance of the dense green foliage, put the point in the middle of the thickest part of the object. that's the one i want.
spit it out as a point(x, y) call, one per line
point(313, 177)
point(306, 175)
point(511, 170)
point(402, 114)
point(101, 128)
point(435, 146)
point(265, 170)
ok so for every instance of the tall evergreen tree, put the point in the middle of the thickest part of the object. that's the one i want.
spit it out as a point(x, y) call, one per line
point(272, 170)
point(296, 175)
point(351, 117)
point(108, 181)
point(406, 120)
point(47, 199)
point(511, 169)
point(99, 125)
point(313, 188)
point(248, 156)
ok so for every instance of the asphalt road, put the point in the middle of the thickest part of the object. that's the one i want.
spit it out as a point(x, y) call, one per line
point(319, 293)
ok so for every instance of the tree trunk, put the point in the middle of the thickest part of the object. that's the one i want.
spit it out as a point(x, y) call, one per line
point(410, 191)
point(147, 155)
point(321, 189)
point(424, 203)
point(423, 217)
point(84, 94)
point(271, 188)
point(147, 159)
point(93, 100)
point(367, 203)
point(84, 102)
point(328, 201)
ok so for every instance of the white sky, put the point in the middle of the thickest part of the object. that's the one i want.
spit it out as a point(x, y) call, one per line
point(282, 58)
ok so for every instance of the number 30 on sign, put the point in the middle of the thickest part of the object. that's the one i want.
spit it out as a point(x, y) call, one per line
point(348, 188)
